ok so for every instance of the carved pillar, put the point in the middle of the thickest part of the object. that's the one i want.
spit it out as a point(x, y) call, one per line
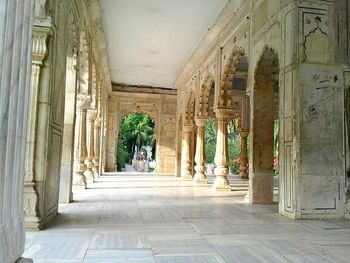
point(200, 176)
point(243, 168)
point(221, 171)
point(97, 134)
point(80, 151)
point(185, 157)
point(31, 211)
point(16, 27)
point(91, 116)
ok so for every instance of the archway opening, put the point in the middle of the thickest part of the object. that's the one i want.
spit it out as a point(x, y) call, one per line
point(234, 146)
point(265, 132)
point(136, 143)
point(211, 129)
point(238, 127)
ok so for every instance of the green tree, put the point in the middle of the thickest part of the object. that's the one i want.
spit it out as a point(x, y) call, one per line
point(136, 129)
point(210, 140)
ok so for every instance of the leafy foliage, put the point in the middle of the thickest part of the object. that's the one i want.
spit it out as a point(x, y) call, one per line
point(210, 140)
point(234, 145)
point(136, 129)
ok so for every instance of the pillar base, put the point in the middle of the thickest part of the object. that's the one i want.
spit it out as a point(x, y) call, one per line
point(33, 223)
point(90, 176)
point(200, 177)
point(261, 188)
point(80, 181)
point(96, 172)
point(186, 175)
point(243, 174)
point(221, 183)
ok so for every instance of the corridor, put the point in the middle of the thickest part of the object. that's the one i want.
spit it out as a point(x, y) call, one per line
point(147, 218)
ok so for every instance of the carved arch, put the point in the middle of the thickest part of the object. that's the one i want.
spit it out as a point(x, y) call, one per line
point(224, 99)
point(268, 64)
point(202, 105)
point(189, 110)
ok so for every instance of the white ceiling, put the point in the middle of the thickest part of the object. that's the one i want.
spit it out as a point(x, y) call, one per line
point(149, 41)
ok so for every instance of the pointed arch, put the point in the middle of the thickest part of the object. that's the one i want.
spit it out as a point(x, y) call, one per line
point(189, 110)
point(202, 105)
point(224, 95)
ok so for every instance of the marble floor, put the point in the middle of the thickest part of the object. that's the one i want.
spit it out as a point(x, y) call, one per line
point(129, 218)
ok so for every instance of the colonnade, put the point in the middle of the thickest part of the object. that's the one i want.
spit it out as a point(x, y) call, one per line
point(221, 171)
point(67, 108)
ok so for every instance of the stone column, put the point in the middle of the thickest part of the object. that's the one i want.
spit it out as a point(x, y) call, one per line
point(200, 176)
point(243, 168)
point(221, 171)
point(30, 198)
point(110, 158)
point(91, 116)
point(80, 151)
point(185, 157)
point(16, 27)
point(102, 152)
point(97, 134)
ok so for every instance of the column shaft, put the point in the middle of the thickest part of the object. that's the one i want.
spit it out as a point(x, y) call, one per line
point(243, 168)
point(221, 171)
point(80, 152)
point(185, 157)
point(90, 145)
point(97, 146)
point(200, 176)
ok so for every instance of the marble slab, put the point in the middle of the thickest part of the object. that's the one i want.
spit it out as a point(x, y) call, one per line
point(210, 258)
point(119, 256)
point(119, 240)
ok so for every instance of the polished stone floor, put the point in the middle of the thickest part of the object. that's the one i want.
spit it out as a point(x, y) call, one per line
point(161, 219)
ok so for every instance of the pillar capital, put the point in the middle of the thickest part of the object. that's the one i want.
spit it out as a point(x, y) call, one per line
point(91, 116)
point(83, 102)
point(98, 122)
point(200, 122)
point(187, 128)
point(222, 113)
point(39, 48)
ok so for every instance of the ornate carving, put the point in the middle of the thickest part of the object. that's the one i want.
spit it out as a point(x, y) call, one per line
point(202, 107)
point(189, 110)
point(316, 42)
point(83, 72)
point(224, 99)
point(39, 49)
point(168, 109)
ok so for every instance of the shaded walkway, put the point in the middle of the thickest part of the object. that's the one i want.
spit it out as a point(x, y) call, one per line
point(148, 218)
